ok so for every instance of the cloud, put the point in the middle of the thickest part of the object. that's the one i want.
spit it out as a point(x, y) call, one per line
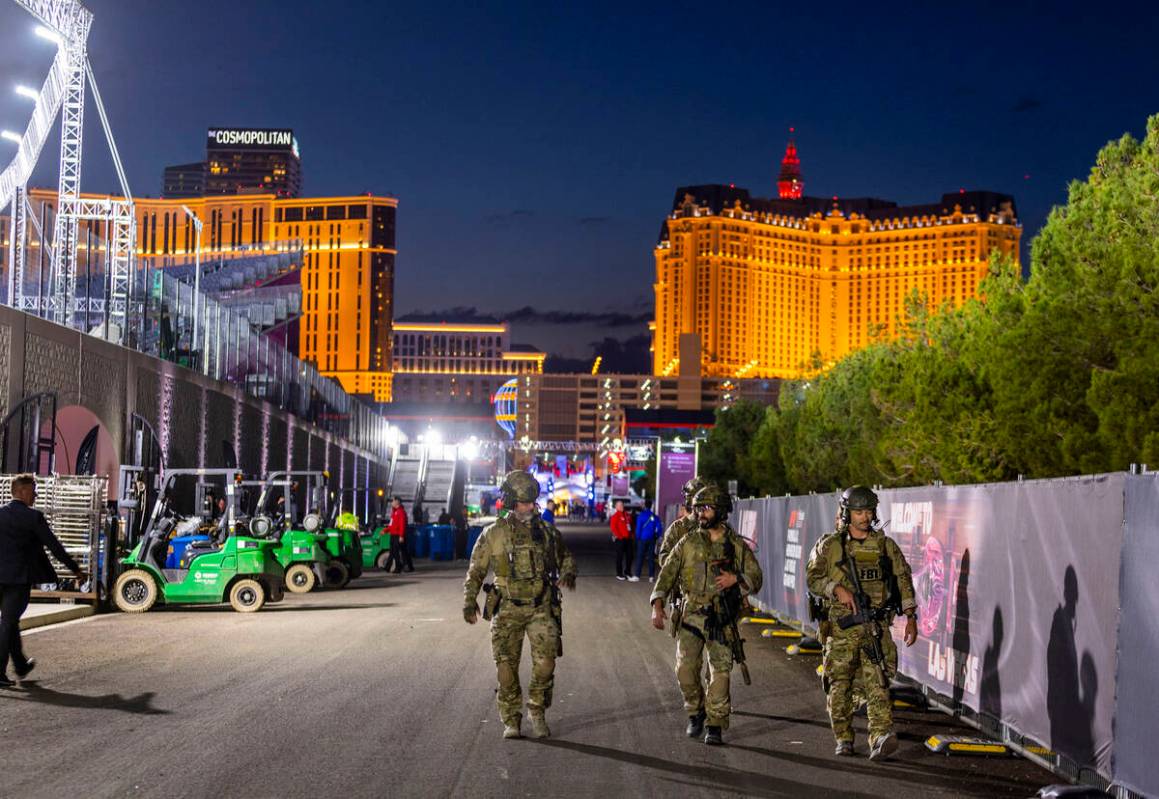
point(529, 315)
point(619, 356)
point(508, 218)
point(532, 316)
point(1026, 103)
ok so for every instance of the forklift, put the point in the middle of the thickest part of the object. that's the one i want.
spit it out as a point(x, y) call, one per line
point(227, 566)
point(343, 539)
point(301, 542)
point(376, 541)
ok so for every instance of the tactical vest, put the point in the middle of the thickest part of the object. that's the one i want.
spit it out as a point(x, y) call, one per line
point(527, 563)
point(874, 569)
point(696, 578)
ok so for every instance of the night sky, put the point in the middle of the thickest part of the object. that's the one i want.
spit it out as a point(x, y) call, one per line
point(535, 151)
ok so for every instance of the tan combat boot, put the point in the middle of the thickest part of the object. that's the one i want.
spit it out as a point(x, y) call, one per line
point(511, 728)
point(539, 728)
point(882, 747)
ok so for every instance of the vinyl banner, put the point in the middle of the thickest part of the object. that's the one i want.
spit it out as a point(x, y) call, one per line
point(787, 528)
point(677, 465)
point(1137, 686)
point(1017, 588)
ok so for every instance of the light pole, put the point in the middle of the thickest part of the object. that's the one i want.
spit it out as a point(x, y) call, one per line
point(196, 280)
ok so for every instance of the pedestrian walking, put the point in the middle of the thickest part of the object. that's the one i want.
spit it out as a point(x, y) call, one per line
point(864, 580)
point(530, 563)
point(622, 541)
point(24, 535)
point(714, 569)
point(648, 530)
point(399, 553)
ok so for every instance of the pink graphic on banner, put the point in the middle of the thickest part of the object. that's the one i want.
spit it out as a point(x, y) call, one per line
point(677, 466)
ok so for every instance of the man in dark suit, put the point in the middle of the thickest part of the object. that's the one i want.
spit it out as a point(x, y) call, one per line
point(24, 535)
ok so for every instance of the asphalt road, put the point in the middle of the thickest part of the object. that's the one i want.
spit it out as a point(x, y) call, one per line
point(382, 690)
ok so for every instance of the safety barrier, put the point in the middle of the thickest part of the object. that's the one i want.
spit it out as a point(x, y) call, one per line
point(1038, 610)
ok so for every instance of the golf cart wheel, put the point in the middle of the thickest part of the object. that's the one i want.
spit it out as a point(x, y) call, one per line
point(337, 574)
point(135, 591)
point(381, 560)
point(247, 596)
point(300, 578)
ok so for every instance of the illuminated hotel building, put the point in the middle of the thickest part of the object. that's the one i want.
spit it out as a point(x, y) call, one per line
point(761, 285)
point(437, 361)
point(347, 275)
point(240, 161)
point(594, 408)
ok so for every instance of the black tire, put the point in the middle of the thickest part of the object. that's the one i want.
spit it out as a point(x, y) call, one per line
point(337, 574)
point(247, 596)
point(135, 591)
point(300, 578)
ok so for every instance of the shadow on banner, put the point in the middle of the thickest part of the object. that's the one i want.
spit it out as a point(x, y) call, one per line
point(1018, 601)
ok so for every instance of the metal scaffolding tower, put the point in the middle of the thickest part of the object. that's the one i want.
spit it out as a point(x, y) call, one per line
point(67, 23)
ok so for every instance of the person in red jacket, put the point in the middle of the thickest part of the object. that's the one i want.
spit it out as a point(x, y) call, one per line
point(622, 538)
point(399, 554)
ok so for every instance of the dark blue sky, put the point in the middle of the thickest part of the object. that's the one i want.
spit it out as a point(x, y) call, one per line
point(535, 150)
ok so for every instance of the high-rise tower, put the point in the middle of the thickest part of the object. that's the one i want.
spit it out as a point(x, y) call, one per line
point(790, 184)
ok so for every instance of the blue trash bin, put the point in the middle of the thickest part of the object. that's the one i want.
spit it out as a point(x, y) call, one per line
point(442, 538)
point(175, 554)
point(473, 533)
point(422, 541)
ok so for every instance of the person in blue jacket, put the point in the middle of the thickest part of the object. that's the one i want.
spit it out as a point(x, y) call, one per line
point(548, 514)
point(648, 532)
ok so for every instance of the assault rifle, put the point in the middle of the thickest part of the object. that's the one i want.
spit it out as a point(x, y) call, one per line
point(867, 617)
point(539, 533)
point(725, 612)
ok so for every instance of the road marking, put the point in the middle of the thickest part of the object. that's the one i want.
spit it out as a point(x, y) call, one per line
point(44, 628)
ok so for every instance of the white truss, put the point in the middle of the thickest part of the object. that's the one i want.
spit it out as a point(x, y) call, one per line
point(122, 236)
point(69, 23)
point(16, 243)
point(16, 174)
point(64, 239)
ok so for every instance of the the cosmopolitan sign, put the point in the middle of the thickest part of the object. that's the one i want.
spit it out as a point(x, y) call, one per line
point(251, 137)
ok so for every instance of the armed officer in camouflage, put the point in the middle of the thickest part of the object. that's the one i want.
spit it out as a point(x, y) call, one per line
point(685, 524)
point(858, 627)
point(715, 570)
point(530, 562)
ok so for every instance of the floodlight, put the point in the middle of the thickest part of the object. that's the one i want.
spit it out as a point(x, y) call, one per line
point(50, 35)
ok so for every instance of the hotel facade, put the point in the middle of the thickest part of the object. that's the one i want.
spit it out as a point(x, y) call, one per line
point(347, 276)
point(768, 285)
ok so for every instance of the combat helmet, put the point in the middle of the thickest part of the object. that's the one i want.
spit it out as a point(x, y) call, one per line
point(857, 498)
point(519, 486)
point(690, 488)
point(714, 496)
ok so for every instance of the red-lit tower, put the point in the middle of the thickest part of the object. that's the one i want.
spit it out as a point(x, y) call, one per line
point(790, 184)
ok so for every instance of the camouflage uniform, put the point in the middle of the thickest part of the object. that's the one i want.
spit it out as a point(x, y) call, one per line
point(845, 663)
point(523, 556)
point(689, 567)
point(674, 535)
